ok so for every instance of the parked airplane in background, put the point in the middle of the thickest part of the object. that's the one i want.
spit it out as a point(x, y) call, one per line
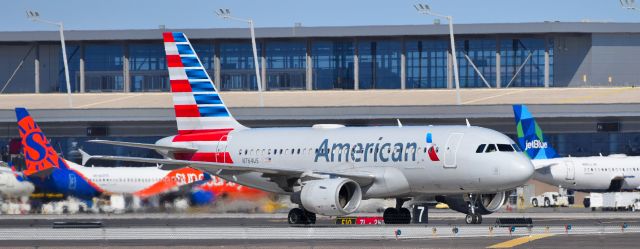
point(47, 170)
point(13, 185)
point(589, 174)
point(329, 169)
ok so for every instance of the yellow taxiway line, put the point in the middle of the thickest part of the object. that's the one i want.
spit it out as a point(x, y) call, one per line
point(519, 241)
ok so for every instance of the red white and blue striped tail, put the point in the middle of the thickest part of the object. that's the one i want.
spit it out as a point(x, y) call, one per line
point(198, 105)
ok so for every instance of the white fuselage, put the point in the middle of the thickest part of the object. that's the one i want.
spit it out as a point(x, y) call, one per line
point(589, 173)
point(397, 156)
point(130, 180)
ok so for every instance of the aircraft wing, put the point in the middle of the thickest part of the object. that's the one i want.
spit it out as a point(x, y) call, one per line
point(362, 178)
point(145, 146)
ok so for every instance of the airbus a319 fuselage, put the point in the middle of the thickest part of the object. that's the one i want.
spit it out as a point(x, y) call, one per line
point(447, 164)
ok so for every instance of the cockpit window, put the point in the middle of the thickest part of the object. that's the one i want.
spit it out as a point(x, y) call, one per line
point(505, 147)
point(491, 148)
point(515, 146)
point(480, 148)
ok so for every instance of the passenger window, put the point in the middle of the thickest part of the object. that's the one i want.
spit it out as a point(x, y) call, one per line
point(516, 147)
point(480, 148)
point(505, 147)
point(491, 148)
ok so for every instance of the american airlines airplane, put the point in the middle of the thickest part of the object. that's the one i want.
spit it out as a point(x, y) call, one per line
point(589, 174)
point(328, 169)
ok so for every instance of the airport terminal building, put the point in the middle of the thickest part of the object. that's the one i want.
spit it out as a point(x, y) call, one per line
point(360, 75)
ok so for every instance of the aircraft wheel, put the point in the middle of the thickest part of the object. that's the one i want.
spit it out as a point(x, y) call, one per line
point(310, 217)
point(390, 216)
point(534, 202)
point(296, 216)
point(405, 216)
point(470, 219)
point(478, 219)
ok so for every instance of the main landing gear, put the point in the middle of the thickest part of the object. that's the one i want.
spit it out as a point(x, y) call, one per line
point(472, 216)
point(301, 217)
point(397, 215)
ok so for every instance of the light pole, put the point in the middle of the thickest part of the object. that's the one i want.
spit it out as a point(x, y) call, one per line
point(226, 14)
point(628, 4)
point(35, 16)
point(424, 9)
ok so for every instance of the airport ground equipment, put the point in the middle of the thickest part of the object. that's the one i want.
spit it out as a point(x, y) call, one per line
point(550, 199)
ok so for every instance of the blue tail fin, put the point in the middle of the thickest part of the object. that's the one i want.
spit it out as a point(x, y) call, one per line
point(530, 136)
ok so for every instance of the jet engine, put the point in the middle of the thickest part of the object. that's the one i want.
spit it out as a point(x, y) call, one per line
point(485, 203)
point(331, 197)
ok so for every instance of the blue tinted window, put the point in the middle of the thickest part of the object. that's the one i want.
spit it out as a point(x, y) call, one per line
point(237, 70)
point(427, 63)
point(148, 67)
point(379, 64)
point(103, 64)
point(332, 64)
point(286, 63)
point(526, 55)
point(482, 54)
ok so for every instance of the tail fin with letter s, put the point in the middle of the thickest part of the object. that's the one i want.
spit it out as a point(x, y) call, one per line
point(40, 157)
point(530, 136)
point(197, 104)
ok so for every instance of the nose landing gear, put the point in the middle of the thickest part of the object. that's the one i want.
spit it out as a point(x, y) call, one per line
point(472, 216)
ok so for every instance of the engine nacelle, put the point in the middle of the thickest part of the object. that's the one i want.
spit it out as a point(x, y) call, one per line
point(332, 197)
point(487, 203)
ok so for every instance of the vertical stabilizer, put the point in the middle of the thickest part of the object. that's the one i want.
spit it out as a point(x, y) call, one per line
point(197, 104)
point(40, 157)
point(530, 136)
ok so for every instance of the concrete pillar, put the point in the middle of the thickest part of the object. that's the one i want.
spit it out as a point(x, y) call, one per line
point(309, 68)
point(498, 64)
point(82, 68)
point(356, 67)
point(217, 79)
point(403, 66)
point(263, 62)
point(125, 69)
point(546, 62)
point(36, 64)
point(449, 70)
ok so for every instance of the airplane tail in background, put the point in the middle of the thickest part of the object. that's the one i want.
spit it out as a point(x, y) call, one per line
point(39, 155)
point(197, 104)
point(530, 136)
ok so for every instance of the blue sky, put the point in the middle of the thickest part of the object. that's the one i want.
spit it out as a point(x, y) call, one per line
point(148, 14)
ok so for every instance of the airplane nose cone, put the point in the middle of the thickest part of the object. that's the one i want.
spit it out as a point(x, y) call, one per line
point(521, 170)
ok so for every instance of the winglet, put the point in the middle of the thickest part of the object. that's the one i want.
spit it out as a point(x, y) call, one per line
point(85, 156)
point(399, 123)
point(468, 124)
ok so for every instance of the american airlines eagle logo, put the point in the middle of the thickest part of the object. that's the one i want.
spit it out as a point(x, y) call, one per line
point(432, 148)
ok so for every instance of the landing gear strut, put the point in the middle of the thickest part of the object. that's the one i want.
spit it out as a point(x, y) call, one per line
point(472, 216)
point(301, 216)
point(397, 215)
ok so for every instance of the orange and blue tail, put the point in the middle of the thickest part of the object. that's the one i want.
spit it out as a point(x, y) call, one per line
point(198, 106)
point(40, 157)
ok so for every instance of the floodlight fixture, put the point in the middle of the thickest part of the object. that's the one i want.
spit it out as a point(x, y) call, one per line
point(35, 17)
point(226, 14)
point(426, 10)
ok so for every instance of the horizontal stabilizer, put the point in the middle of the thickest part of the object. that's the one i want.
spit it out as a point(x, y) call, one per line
point(146, 146)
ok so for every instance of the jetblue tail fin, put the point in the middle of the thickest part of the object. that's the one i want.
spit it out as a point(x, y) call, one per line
point(197, 104)
point(39, 155)
point(530, 136)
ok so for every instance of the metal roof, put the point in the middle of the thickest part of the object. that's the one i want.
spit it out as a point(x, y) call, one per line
point(346, 31)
